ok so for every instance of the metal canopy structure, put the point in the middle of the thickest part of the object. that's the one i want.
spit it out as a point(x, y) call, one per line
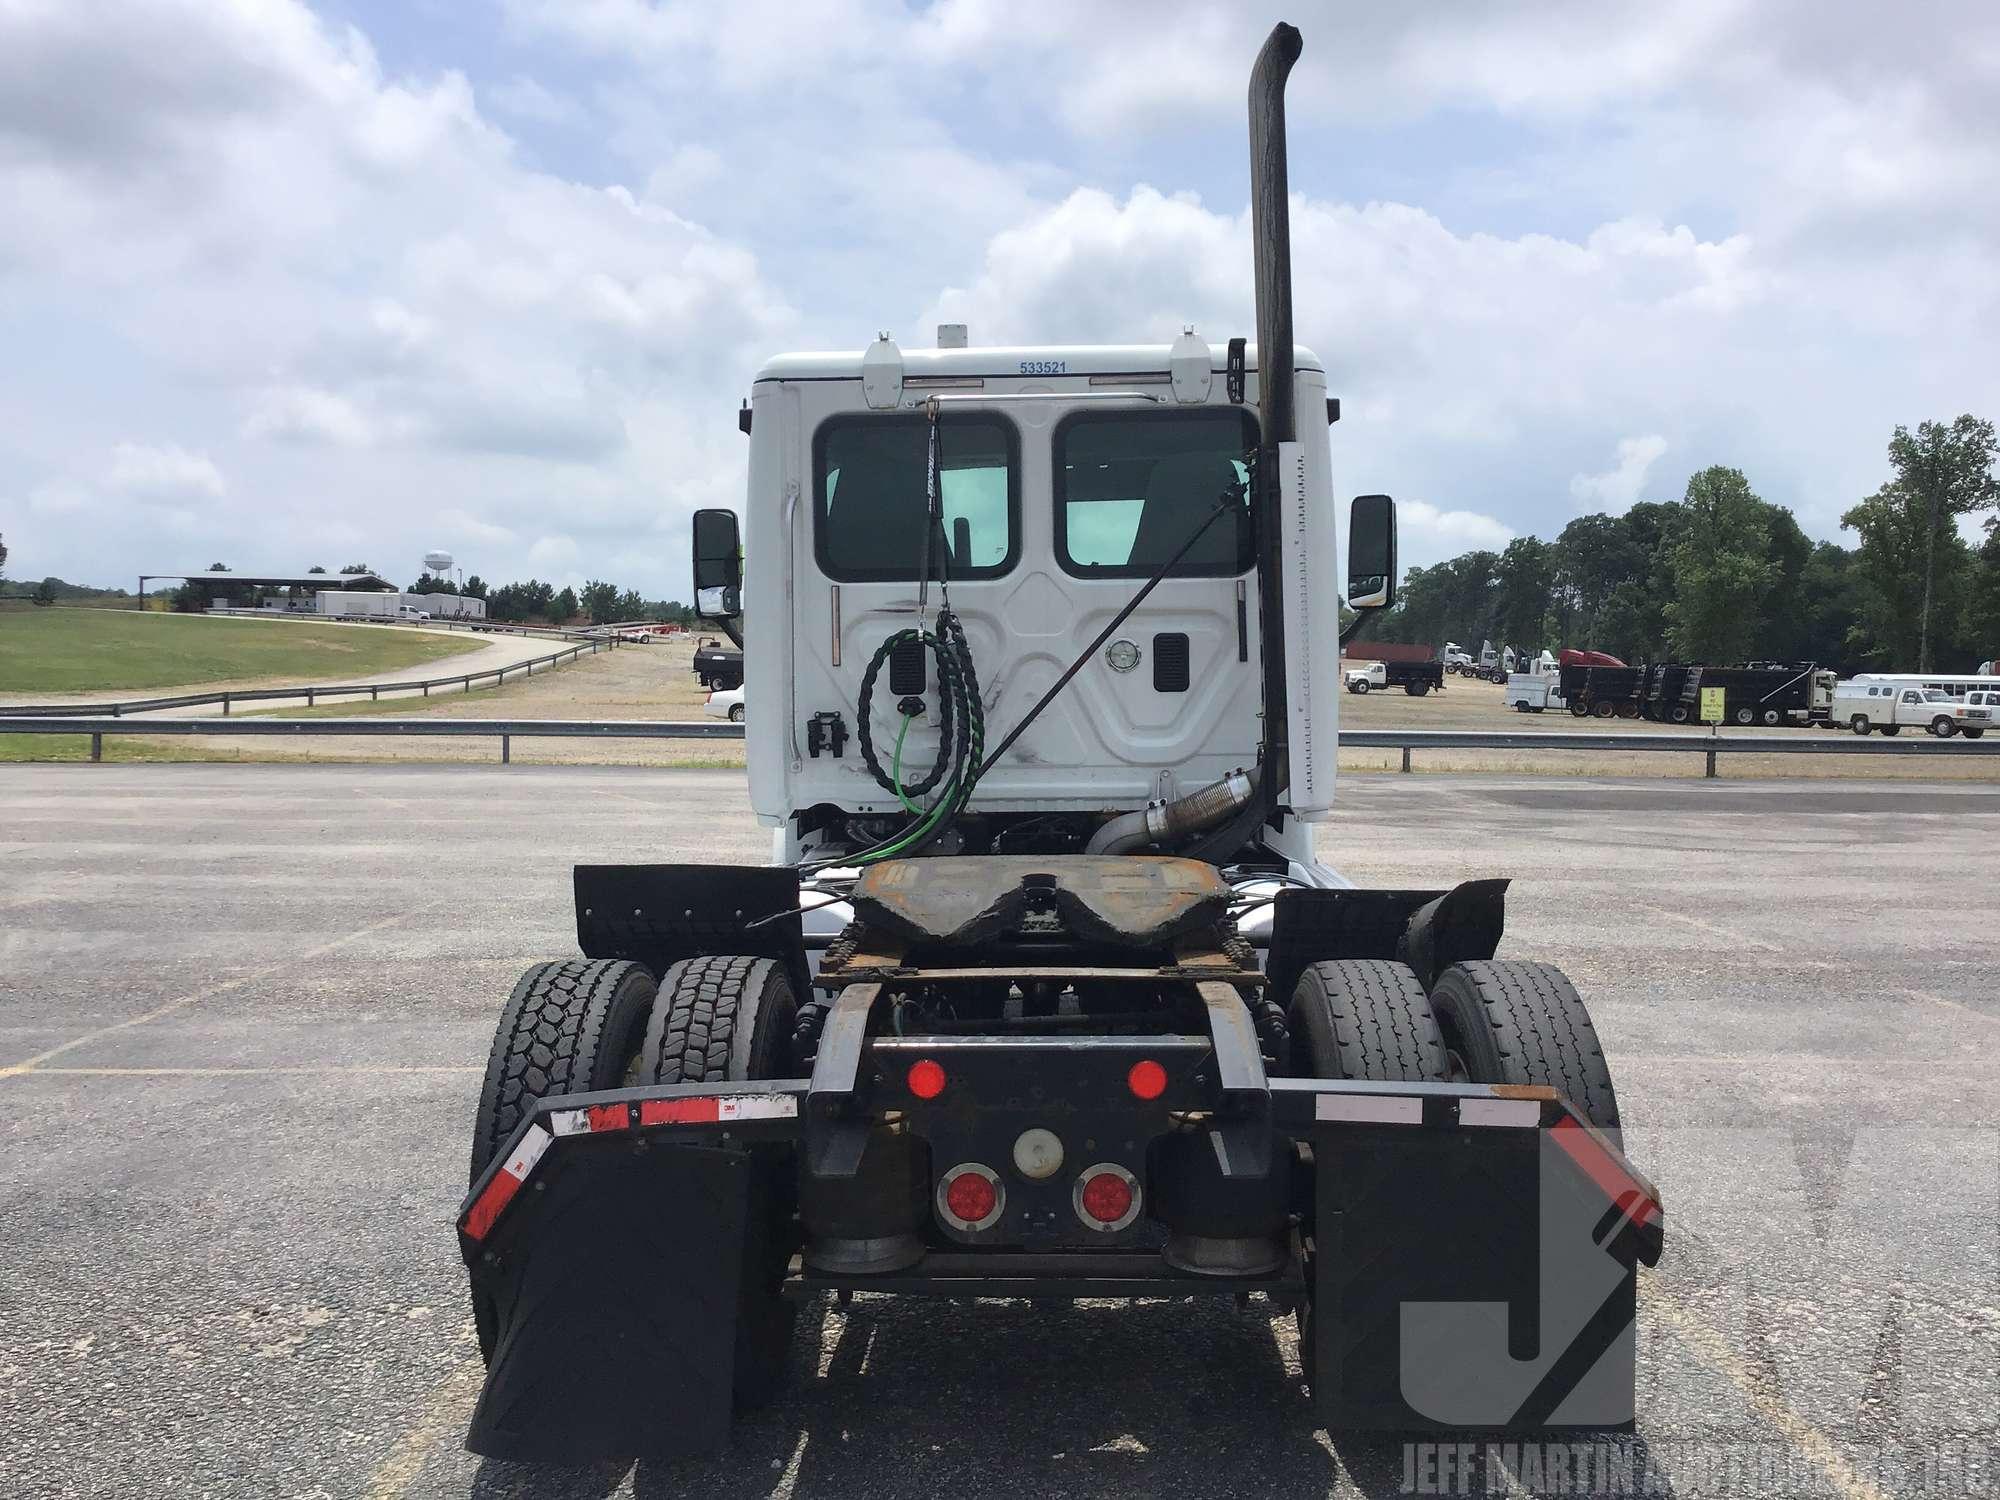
point(372, 581)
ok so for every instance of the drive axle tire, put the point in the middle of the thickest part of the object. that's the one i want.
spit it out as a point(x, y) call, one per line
point(570, 1027)
point(729, 1019)
point(1860, 724)
point(1943, 728)
point(1510, 1021)
point(1891, 730)
point(1972, 734)
point(1365, 1018)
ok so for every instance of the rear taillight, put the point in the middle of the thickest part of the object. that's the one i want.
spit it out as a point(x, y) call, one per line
point(1147, 1080)
point(926, 1078)
point(1106, 1197)
point(970, 1197)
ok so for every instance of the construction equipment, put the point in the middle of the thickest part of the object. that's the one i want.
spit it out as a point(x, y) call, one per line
point(1045, 993)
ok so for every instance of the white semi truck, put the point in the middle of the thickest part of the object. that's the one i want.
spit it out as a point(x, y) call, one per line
point(1046, 992)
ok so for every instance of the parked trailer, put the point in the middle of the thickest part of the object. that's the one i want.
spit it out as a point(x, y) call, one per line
point(1095, 1044)
point(1769, 695)
point(1595, 683)
point(1660, 697)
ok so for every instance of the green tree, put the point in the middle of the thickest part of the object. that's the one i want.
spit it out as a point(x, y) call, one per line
point(564, 608)
point(3, 559)
point(315, 568)
point(1979, 626)
point(45, 592)
point(1943, 472)
point(1526, 578)
point(1720, 564)
point(1830, 591)
point(475, 587)
point(1890, 570)
point(599, 601)
point(631, 606)
point(1594, 556)
point(353, 568)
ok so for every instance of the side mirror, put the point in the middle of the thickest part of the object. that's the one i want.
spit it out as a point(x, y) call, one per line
point(1371, 552)
point(718, 565)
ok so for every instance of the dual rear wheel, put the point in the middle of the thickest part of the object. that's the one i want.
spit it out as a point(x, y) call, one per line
point(582, 1025)
point(1485, 1021)
point(1490, 1021)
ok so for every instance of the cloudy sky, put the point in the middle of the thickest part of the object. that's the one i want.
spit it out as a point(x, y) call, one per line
point(284, 284)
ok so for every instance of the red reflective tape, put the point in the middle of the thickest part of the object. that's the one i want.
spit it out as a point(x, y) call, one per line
point(1599, 1166)
point(486, 1208)
point(680, 1111)
point(605, 1117)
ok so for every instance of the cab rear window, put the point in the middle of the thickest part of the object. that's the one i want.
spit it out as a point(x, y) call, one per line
point(1132, 487)
point(868, 496)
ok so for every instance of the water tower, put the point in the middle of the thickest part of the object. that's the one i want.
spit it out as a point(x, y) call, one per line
point(438, 563)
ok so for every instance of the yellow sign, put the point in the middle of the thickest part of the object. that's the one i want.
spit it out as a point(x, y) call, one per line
point(1711, 705)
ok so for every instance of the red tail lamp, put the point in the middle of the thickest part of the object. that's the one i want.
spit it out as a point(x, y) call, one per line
point(969, 1196)
point(1147, 1080)
point(1107, 1197)
point(926, 1078)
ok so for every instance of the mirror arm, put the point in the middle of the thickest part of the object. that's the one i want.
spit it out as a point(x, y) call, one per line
point(1361, 617)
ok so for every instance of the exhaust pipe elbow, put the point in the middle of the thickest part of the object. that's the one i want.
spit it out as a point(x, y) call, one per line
point(1163, 822)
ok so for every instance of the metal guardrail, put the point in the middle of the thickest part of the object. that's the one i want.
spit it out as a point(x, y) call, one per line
point(311, 692)
point(1819, 742)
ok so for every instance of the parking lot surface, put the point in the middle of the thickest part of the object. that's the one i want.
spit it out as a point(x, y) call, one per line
point(243, 1011)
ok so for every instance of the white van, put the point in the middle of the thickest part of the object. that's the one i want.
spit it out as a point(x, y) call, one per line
point(1863, 706)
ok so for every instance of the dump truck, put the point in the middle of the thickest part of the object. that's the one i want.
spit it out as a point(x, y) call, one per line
point(1414, 677)
point(1045, 992)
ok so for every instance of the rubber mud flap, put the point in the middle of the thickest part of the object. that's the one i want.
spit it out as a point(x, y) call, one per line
point(614, 1284)
point(1468, 1280)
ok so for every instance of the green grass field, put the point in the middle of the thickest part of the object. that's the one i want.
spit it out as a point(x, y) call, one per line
point(97, 650)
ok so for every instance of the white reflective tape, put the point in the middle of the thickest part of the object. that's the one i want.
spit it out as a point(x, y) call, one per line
point(1515, 1112)
point(757, 1107)
point(522, 1162)
point(570, 1122)
point(1368, 1109)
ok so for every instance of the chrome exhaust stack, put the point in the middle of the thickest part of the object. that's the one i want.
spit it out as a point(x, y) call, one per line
point(1277, 403)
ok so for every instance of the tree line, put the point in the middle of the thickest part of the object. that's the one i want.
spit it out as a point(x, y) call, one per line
point(1721, 575)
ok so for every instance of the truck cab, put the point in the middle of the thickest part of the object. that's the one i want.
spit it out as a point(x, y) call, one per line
point(1063, 478)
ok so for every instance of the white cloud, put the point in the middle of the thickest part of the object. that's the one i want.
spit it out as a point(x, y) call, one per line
point(304, 414)
point(1617, 487)
point(163, 473)
point(1428, 535)
point(525, 99)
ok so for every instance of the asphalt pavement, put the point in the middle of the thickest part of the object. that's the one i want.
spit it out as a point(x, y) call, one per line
point(243, 1011)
